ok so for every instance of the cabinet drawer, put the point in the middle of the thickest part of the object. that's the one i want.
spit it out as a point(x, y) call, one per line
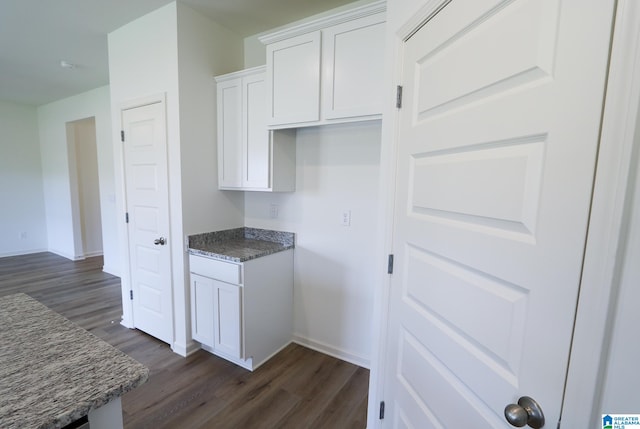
point(215, 269)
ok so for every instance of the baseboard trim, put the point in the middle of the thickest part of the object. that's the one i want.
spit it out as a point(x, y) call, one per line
point(332, 351)
point(93, 254)
point(22, 252)
point(111, 270)
point(66, 255)
point(187, 349)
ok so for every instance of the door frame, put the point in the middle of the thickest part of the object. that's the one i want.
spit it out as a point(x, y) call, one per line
point(608, 224)
point(125, 272)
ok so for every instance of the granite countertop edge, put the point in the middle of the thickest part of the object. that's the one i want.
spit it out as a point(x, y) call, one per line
point(238, 259)
point(240, 244)
point(79, 371)
point(83, 408)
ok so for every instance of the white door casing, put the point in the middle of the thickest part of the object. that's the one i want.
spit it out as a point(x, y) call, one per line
point(147, 205)
point(496, 152)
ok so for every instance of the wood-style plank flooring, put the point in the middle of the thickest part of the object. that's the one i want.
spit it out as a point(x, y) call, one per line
point(299, 388)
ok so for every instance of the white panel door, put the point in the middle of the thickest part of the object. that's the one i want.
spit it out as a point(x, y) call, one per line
point(293, 80)
point(497, 145)
point(230, 133)
point(353, 62)
point(147, 195)
point(228, 325)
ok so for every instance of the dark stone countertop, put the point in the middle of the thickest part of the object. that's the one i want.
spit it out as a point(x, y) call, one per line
point(240, 244)
point(52, 372)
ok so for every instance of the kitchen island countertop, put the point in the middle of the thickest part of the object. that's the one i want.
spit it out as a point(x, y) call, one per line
point(52, 372)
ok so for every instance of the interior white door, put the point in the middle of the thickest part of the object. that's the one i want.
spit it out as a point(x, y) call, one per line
point(497, 145)
point(147, 194)
point(293, 80)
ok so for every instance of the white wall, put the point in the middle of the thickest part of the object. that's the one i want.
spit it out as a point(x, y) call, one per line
point(22, 216)
point(60, 214)
point(255, 52)
point(337, 170)
point(205, 49)
point(620, 393)
point(175, 52)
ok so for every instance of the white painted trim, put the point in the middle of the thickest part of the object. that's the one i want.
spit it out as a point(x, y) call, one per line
point(93, 254)
point(324, 22)
point(336, 352)
point(139, 102)
point(387, 190)
point(240, 73)
point(126, 323)
point(421, 17)
point(185, 350)
point(66, 255)
point(607, 226)
point(114, 271)
point(23, 252)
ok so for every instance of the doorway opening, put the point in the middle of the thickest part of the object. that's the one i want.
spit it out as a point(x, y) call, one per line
point(85, 191)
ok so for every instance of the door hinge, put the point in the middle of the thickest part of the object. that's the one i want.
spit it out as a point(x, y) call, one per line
point(381, 410)
point(398, 97)
point(122, 135)
point(126, 217)
point(131, 294)
point(390, 265)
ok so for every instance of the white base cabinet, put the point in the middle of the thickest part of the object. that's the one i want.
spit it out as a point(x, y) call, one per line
point(242, 312)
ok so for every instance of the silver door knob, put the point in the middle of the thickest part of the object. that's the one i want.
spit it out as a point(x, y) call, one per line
point(526, 412)
point(160, 241)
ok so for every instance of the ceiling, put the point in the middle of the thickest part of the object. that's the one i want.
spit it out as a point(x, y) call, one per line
point(36, 35)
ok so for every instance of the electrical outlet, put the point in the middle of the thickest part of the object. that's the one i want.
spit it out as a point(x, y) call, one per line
point(346, 218)
point(273, 211)
point(23, 235)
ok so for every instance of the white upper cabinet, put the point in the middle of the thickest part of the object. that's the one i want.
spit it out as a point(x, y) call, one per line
point(293, 73)
point(353, 55)
point(250, 157)
point(327, 71)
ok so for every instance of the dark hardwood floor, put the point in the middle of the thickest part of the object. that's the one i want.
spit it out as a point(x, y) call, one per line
point(299, 388)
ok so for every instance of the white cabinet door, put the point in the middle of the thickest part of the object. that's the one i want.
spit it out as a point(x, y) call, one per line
point(353, 64)
point(293, 79)
point(202, 309)
point(255, 169)
point(228, 326)
point(230, 134)
point(251, 158)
